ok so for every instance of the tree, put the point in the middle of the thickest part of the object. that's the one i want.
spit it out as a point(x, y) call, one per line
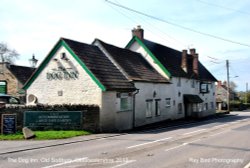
point(233, 86)
point(7, 54)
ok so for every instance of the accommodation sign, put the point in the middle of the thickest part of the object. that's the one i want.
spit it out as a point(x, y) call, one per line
point(8, 123)
point(53, 120)
point(61, 74)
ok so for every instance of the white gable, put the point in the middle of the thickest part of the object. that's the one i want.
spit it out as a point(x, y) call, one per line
point(138, 48)
point(64, 81)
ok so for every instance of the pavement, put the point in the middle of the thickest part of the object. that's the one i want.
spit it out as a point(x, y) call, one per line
point(7, 147)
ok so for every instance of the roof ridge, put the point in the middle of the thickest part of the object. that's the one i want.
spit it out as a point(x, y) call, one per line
point(124, 49)
point(162, 45)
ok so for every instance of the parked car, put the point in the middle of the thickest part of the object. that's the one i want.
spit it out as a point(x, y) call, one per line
point(8, 99)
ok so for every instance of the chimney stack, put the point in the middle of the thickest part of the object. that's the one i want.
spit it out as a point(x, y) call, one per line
point(184, 60)
point(195, 61)
point(219, 83)
point(138, 32)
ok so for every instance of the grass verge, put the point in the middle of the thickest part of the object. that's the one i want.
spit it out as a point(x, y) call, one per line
point(46, 135)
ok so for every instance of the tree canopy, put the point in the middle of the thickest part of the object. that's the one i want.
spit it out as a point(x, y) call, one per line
point(7, 54)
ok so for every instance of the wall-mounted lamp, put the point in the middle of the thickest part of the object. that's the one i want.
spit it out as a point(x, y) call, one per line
point(33, 61)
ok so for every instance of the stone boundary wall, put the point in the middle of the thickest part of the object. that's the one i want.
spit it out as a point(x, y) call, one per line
point(90, 119)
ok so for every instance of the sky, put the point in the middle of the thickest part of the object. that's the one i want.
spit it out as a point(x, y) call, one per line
point(34, 26)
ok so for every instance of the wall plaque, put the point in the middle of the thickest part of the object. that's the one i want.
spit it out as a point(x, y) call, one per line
point(53, 120)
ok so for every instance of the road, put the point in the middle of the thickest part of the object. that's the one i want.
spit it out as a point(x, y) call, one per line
point(220, 142)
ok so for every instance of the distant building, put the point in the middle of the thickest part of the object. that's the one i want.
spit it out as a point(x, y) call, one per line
point(221, 96)
point(12, 79)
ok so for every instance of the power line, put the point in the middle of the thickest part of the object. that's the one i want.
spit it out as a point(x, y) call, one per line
point(224, 7)
point(177, 25)
point(151, 25)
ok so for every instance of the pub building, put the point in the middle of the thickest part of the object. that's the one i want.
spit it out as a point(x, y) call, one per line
point(141, 84)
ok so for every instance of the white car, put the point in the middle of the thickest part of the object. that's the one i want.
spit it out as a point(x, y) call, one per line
point(8, 99)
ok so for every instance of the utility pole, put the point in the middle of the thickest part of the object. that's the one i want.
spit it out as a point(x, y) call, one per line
point(246, 91)
point(228, 87)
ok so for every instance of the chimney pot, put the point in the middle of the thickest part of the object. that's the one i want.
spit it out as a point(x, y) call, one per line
point(192, 51)
point(184, 60)
point(138, 32)
point(196, 64)
point(219, 83)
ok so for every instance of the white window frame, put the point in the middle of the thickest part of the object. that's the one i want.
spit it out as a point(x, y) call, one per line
point(205, 107)
point(179, 81)
point(168, 102)
point(179, 108)
point(125, 102)
point(212, 105)
point(157, 107)
point(149, 108)
point(192, 83)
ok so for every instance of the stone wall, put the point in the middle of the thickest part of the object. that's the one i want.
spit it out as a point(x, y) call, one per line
point(12, 83)
point(90, 114)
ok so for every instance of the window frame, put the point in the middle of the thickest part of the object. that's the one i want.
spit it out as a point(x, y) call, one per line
point(125, 97)
point(168, 102)
point(157, 107)
point(179, 82)
point(180, 108)
point(149, 108)
point(4, 83)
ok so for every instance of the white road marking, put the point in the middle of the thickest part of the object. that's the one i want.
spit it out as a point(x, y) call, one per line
point(247, 166)
point(194, 131)
point(186, 143)
point(218, 133)
point(100, 139)
point(220, 125)
point(130, 161)
point(234, 122)
point(68, 162)
point(159, 140)
point(191, 142)
point(174, 148)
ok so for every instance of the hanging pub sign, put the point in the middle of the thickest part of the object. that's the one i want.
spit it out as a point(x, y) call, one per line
point(61, 73)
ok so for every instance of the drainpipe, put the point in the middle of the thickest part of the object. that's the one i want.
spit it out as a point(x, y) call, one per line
point(134, 94)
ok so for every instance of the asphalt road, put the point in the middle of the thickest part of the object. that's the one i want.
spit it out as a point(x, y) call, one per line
point(222, 142)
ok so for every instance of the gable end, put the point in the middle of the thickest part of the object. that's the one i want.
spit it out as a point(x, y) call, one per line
point(59, 44)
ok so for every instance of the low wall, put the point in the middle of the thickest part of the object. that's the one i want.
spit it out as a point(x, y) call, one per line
point(90, 114)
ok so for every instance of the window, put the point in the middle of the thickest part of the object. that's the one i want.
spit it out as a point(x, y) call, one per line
point(212, 105)
point(197, 107)
point(149, 108)
point(179, 82)
point(168, 102)
point(157, 107)
point(125, 103)
point(193, 83)
point(204, 88)
point(3, 87)
point(206, 106)
point(180, 108)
